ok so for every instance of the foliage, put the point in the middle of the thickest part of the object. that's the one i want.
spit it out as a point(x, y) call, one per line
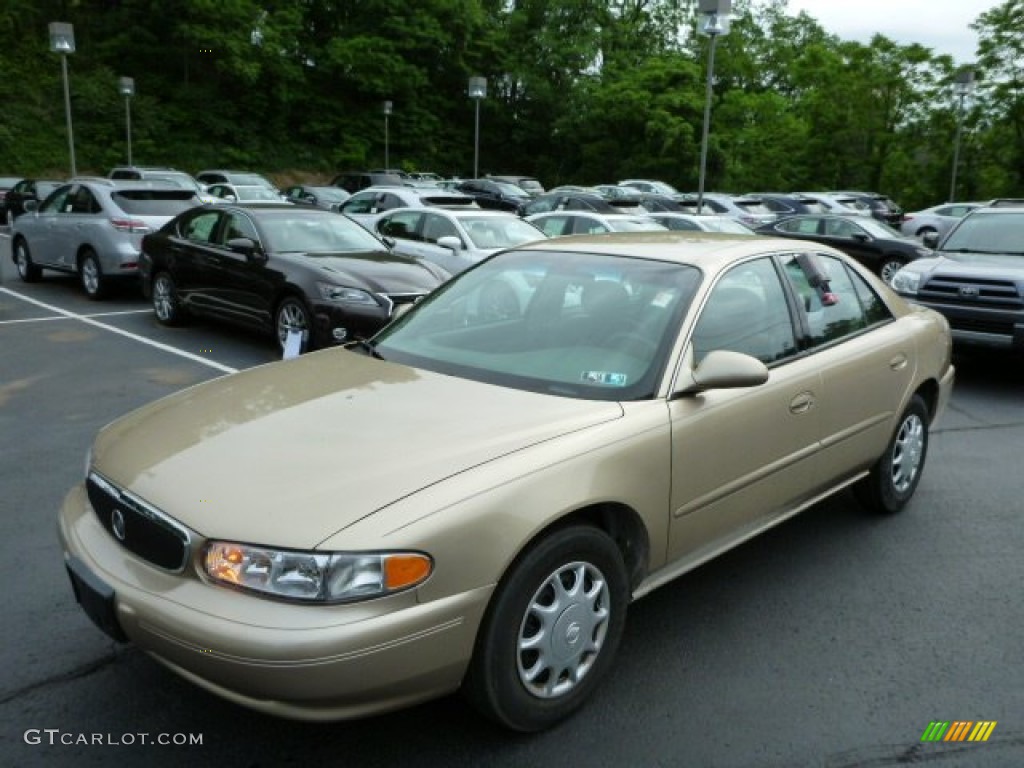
point(581, 91)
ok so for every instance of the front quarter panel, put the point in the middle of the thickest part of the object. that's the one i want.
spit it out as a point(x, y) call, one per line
point(475, 524)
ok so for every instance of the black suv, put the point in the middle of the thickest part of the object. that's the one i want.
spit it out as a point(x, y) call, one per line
point(882, 208)
point(977, 276)
point(353, 181)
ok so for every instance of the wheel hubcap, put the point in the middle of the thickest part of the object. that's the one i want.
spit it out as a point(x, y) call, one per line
point(907, 452)
point(163, 298)
point(890, 269)
point(291, 318)
point(563, 630)
point(90, 276)
point(22, 258)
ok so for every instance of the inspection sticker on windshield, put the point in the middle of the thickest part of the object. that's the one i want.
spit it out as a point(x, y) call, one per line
point(604, 377)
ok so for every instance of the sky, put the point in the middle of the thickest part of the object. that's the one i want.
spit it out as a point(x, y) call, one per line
point(937, 24)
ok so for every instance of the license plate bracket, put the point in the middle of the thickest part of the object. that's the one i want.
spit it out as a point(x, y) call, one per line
point(96, 598)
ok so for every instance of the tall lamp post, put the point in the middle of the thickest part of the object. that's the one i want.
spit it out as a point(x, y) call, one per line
point(963, 86)
point(386, 108)
point(62, 41)
point(126, 87)
point(714, 24)
point(477, 92)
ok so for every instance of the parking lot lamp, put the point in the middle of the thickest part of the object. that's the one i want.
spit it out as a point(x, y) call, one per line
point(714, 24)
point(963, 86)
point(386, 108)
point(62, 41)
point(126, 87)
point(477, 92)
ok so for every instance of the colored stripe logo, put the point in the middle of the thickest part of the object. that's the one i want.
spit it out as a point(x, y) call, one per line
point(958, 730)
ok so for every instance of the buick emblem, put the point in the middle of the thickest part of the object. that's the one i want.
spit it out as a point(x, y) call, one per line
point(117, 524)
point(969, 290)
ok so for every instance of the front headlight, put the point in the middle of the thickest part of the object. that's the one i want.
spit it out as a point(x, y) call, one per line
point(907, 281)
point(343, 295)
point(325, 577)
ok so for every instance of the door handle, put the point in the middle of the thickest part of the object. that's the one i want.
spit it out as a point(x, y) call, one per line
point(802, 403)
point(899, 362)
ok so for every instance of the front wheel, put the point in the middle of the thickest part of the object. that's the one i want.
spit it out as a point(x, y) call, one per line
point(551, 631)
point(293, 317)
point(889, 267)
point(27, 271)
point(166, 304)
point(93, 282)
point(894, 477)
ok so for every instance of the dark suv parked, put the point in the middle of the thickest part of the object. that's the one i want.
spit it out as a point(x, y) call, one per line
point(882, 208)
point(353, 181)
point(977, 276)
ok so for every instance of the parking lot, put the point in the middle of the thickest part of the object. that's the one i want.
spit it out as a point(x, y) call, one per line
point(833, 640)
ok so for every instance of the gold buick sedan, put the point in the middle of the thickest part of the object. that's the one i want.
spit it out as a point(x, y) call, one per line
point(472, 498)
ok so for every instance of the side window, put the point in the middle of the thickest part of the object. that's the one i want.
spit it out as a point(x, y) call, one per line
point(875, 310)
point(359, 203)
point(388, 201)
point(81, 201)
point(402, 225)
point(199, 228)
point(435, 227)
point(841, 314)
point(839, 228)
point(553, 226)
point(238, 226)
point(584, 225)
point(56, 202)
point(746, 312)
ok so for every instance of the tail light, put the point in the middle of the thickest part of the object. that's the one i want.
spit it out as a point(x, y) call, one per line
point(129, 225)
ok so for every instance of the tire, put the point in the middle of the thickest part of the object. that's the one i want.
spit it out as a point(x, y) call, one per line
point(894, 477)
point(925, 231)
point(888, 268)
point(166, 305)
point(93, 282)
point(27, 271)
point(527, 676)
point(292, 314)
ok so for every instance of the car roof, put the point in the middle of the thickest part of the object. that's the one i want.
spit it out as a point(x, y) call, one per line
point(457, 213)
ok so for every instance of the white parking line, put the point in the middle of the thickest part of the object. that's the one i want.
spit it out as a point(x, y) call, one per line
point(141, 339)
point(62, 317)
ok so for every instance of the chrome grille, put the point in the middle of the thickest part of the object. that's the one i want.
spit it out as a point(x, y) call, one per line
point(137, 526)
point(973, 291)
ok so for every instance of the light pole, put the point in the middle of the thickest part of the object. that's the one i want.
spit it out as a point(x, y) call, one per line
point(714, 25)
point(963, 86)
point(386, 107)
point(477, 92)
point(126, 87)
point(62, 41)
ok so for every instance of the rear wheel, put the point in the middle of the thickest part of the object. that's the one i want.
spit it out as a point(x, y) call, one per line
point(93, 281)
point(894, 477)
point(551, 631)
point(925, 231)
point(27, 271)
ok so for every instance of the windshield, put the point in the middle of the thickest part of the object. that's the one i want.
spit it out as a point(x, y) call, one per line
point(304, 232)
point(257, 193)
point(332, 194)
point(725, 224)
point(511, 189)
point(983, 232)
point(488, 232)
point(578, 325)
point(154, 202)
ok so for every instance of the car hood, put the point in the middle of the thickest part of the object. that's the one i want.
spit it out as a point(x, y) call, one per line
point(980, 264)
point(290, 453)
point(386, 272)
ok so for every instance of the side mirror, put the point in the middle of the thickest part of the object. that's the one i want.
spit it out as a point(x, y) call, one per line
point(450, 242)
point(247, 247)
point(723, 369)
point(930, 240)
point(860, 237)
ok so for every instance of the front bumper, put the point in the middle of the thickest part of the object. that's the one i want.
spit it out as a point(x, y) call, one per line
point(308, 662)
point(979, 326)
